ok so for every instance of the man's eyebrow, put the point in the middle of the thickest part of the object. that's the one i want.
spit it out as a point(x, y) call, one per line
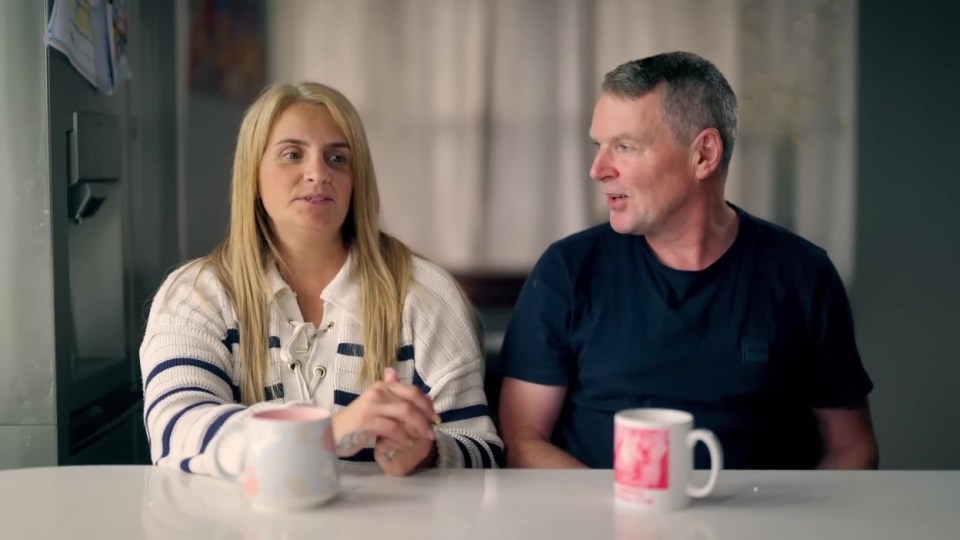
point(625, 136)
point(619, 137)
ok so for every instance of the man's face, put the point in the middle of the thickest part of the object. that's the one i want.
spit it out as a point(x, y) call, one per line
point(646, 174)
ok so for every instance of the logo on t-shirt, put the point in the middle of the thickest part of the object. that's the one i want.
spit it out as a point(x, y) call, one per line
point(755, 351)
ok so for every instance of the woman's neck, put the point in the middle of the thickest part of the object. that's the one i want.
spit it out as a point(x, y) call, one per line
point(308, 267)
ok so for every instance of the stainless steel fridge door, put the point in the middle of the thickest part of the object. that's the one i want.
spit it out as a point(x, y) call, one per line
point(27, 381)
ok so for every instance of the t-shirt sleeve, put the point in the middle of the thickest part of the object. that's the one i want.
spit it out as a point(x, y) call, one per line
point(839, 378)
point(536, 345)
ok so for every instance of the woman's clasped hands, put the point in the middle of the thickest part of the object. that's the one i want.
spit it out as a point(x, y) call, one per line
point(398, 417)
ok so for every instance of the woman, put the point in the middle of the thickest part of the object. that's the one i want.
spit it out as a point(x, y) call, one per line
point(307, 301)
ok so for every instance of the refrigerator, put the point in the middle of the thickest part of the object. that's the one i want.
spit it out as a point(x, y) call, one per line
point(88, 228)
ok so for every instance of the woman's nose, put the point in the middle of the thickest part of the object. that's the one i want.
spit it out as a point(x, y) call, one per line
point(319, 172)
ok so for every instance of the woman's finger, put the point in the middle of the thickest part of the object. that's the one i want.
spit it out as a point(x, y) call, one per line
point(387, 449)
point(412, 394)
point(409, 416)
point(389, 430)
point(353, 442)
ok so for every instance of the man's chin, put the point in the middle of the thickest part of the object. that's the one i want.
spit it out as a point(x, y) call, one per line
point(623, 226)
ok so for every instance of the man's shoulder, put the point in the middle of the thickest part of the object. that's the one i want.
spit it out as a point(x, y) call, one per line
point(587, 250)
point(783, 243)
point(588, 243)
point(588, 237)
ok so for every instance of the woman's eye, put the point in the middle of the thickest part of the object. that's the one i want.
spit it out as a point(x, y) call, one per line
point(291, 155)
point(337, 159)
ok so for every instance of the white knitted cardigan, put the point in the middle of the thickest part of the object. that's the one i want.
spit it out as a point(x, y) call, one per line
point(189, 361)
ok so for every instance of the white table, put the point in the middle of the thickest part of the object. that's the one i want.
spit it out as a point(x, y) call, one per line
point(81, 503)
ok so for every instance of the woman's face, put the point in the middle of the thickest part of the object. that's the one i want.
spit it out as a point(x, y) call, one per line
point(306, 180)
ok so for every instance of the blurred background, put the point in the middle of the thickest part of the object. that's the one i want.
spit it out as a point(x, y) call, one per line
point(477, 112)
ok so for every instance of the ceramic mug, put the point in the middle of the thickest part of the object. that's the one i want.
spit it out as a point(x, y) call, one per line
point(653, 459)
point(289, 459)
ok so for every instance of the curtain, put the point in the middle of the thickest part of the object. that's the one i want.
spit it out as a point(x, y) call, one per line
point(478, 110)
point(797, 91)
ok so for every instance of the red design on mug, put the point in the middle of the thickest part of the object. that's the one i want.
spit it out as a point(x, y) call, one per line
point(641, 458)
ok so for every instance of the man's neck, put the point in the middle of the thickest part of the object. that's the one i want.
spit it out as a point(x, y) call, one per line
point(700, 235)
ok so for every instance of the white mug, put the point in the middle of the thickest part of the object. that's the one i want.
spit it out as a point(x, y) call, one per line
point(653, 458)
point(289, 460)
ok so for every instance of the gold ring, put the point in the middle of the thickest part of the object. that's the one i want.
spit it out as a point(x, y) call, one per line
point(389, 454)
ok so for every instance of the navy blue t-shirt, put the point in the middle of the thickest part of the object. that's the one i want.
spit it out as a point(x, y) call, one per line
point(749, 346)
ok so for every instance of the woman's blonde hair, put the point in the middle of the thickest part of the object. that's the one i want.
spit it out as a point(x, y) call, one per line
point(380, 263)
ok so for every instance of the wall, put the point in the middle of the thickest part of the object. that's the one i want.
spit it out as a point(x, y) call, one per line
point(153, 197)
point(154, 182)
point(907, 296)
point(207, 134)
point(211, 126)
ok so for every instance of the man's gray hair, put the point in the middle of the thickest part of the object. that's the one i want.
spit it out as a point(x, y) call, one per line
point(696, 95)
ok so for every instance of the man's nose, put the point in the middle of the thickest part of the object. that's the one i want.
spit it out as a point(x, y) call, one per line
point(602, 169)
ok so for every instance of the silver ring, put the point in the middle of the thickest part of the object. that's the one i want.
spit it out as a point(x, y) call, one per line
point(389, 454)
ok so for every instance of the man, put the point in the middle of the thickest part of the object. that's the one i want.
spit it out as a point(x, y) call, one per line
point(682, 301)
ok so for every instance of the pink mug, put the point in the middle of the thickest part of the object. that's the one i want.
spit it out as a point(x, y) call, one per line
point(653, 459)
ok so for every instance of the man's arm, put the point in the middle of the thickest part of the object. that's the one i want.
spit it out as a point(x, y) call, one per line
point(848, 438)
point(528, 412)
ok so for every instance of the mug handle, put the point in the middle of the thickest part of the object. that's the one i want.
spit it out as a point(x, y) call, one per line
point(716, 460)
point(215, 453)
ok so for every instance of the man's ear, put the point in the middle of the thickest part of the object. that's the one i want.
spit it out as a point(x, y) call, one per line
point(707, 152)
